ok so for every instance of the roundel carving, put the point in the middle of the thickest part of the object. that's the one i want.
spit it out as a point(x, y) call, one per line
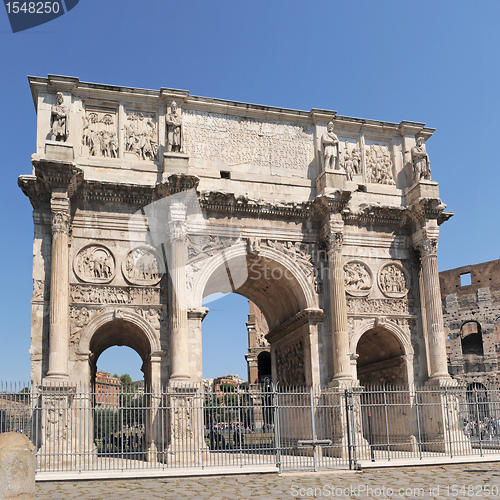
point(143, 266)
point(358, 278)
point(394, 280)
point(95, 264)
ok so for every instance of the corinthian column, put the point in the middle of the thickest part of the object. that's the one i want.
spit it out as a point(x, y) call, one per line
point(438, 365)
point(177, 261)
point(338, 306)
point(59, 288)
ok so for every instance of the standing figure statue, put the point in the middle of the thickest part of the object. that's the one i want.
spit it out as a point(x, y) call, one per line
point(329, 146)
point(420, 160)
point(174, 130)
point(59, 120)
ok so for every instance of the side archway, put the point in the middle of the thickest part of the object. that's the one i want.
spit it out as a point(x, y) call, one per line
point(384, 353)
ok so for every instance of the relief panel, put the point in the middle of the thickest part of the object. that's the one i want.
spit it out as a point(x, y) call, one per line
point(379, 163)
point(394, 280)
point(358, 278)
point(143, 266)
point(141, 135)
point(94, 264)
point(100, 133)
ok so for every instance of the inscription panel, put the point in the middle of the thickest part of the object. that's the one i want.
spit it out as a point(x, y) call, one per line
point(238, 141)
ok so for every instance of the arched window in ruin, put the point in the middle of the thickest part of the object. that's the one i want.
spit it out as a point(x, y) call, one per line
point(264, 365)
point(472, 338)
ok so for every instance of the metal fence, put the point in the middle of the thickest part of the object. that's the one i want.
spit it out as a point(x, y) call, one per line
point(302, 428)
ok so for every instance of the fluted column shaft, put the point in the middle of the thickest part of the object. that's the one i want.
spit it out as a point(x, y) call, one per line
point(179, 338)
point(59, 289)
point(433, 309)
point(338, 306)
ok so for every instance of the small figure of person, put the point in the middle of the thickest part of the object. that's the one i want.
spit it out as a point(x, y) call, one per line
point(329, 145)
point(420, 160)
point(174, 130)
point(59, 120)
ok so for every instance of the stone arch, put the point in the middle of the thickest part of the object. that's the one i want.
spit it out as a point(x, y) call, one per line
point(122, 327)
point(386, 359)
point(471, 338)
point(299, 292)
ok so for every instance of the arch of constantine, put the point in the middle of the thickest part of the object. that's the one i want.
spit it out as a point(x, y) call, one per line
point(146, 202)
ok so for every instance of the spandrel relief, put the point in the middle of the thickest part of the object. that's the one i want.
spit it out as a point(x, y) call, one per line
point(358, 278)
point(379, 165)
point(143, 266)
point(393, 280)
point(94, 264)
point(100, 136)
point(141, 135)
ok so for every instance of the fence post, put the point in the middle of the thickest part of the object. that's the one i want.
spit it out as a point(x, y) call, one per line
point(277, 436)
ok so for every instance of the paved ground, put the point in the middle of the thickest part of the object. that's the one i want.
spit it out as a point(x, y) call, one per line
point(466, 481)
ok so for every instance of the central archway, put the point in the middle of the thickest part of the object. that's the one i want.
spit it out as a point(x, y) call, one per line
point(283, 289)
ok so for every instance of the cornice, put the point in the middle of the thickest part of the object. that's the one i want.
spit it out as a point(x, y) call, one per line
point(301, 318)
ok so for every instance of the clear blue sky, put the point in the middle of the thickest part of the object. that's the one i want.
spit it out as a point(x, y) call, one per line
point(432, 61)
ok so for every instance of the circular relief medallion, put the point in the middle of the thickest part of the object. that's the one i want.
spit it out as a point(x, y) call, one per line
point(95, 264)
point(358, 278)
point(143, 266)
point(394, 280)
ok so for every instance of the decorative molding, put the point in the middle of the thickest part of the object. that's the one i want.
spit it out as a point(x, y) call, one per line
point(301, 318)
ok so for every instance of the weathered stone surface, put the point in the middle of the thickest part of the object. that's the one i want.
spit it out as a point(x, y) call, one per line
point(17, 467)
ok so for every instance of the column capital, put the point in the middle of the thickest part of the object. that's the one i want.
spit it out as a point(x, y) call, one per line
point(427, 247)
point(333, 232)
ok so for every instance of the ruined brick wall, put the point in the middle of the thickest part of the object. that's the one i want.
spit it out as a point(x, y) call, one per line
point(471, 309)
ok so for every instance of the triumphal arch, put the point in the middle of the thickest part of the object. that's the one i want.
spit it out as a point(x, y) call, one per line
point(145, 202)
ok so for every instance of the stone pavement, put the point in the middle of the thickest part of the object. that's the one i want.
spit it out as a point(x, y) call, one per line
point(460, 481)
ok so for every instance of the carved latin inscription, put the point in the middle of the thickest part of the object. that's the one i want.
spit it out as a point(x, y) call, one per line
point(247, 141)
point(94, 264)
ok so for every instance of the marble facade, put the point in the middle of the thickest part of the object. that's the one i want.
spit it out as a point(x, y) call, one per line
point(331, 222)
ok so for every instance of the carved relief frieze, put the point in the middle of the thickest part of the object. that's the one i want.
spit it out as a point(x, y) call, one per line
point(88, 294)
point(100, 133)
point(290, 364)
point(79, 318)
point(379, 166)
point(237, 140)
point(40, 290)
point(95, 264)
point(141, 135)
point(379, 306)
point(358, 278)
point(182, 424)
point(143, 266)
point(394, 280)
